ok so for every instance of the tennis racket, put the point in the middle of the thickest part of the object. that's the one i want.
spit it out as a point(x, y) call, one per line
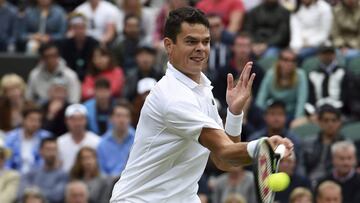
point(266, 163)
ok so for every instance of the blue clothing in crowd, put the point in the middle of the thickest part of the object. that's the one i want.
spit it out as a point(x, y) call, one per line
point(7, 25)
point(113, 155)
point(14, 140)
point(94, 117)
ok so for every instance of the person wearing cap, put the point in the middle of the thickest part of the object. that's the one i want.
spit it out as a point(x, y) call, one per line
point(329, 82)
point(77, 136)
point(24, 141)
point(145, 68)
point(77, 48)
point(9, 179)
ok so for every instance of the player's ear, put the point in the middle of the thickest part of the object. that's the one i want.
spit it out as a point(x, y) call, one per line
point(168, 45)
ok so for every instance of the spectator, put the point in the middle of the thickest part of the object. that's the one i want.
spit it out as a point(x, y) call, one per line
point(12, 101)
point(345, 29)
point(78, 47)
point(99, 108)
point(9, 179)
point(310, 27)
point(241, 54)
point(102, 65)
point(269, 34)
point(316, 149)
point(125, 48)
point(33, 195)
point(7, 28)
point(344, 162)
point(286, 83)
point(329, 82)
point(102, 17)
point(235, 198)
point(232, 12)
point(328, 191)
point(275, 121)
point(301, 195)
point(76, 192)
point(239, 181)
point(24, 141)
point(71, 142)
point(86, 169)
point(288, 165)
point(54, 108)
point(115, 145)
point(42, 23)
point(49, 178)
point(50, 67)
point(145, 68)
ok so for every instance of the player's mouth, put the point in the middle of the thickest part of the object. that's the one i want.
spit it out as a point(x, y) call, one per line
point(197, 59)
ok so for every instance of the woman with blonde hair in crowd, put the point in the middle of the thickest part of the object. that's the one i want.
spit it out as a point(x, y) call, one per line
point(235, 198)
point(12, 101)
point(86, 169)
point(301, 195)
point(286, 83)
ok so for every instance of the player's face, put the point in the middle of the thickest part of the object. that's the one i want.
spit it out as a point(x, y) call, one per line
point(190, 52)
point(344, 161)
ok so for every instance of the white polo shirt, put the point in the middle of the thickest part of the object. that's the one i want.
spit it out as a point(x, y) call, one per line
point(166, 160)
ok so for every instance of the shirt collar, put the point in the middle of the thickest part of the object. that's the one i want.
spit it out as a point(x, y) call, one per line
point(204, 81)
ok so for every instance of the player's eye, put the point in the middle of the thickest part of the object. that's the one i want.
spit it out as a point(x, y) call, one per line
point(191, 42)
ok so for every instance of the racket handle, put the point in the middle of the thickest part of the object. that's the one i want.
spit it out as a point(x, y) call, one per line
point(280, 150)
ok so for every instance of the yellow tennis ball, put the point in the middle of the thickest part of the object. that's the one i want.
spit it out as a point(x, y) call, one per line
point(278, 181)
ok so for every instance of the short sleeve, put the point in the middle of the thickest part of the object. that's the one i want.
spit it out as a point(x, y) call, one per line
point(185, 119)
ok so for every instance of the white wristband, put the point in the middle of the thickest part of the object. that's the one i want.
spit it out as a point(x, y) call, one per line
point(251, 146)
point(233, 124)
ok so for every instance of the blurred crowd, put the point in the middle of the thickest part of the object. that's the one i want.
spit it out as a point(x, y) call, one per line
point(66, 129)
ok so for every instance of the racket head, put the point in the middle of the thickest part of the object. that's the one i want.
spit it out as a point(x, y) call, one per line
point(265, 163)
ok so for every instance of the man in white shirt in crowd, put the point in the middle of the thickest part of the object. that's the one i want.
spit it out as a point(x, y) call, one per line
point(77, 137)
point(179, 125)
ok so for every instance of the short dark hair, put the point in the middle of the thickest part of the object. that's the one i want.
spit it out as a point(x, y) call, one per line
point(122, 103)
point(104, 51)
point(178, 16)
point(46, 46)
point(31, 108)
point(129, 16)
point(102, 83)
point(327, 108)
point(276, 104)
point(46, 140)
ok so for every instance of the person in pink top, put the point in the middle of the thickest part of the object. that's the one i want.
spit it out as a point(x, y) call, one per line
point(102, 65)
point(231, 11)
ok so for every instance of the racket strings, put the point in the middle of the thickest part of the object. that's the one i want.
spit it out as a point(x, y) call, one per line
point(265, 170)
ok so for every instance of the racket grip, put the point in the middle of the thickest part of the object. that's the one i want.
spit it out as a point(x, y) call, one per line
point(280, 150)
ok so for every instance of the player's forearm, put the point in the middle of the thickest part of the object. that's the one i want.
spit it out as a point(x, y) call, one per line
point(235, 154)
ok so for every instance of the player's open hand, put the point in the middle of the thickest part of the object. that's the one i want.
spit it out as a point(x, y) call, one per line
point(237, 95)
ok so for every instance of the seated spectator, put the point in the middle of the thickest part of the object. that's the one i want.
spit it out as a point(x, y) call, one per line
point(269, 34)
point(288, 165)
point(51, 66)
point(76, 192)
point(345, 30)
point(9, 179)
point(238, 181)
point(102, 65)
point(125, 47)
point(275, 124)
point(78, 47)
point(145, 68)
point(24, 141)
point(71, 142)
point(316, 149)
point(54, 108)
point(235, 198)
point(115, 145)
point(287, 83)
point(301, 195)
point(329, 82)
point(99, 108)
point(7, 28)
point(231, 11)
point(86, 169)
point(12, 101)
point(49, 177)
point(310, 27)
point(33, 195)
point(42, 23)
point(102, 17)
point(328, 191)
point(344, 171)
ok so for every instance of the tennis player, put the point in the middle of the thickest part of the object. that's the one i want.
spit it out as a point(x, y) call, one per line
point(179, 126)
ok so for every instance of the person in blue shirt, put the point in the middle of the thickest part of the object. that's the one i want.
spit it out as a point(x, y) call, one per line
point(7, 23)
point(115, 145)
